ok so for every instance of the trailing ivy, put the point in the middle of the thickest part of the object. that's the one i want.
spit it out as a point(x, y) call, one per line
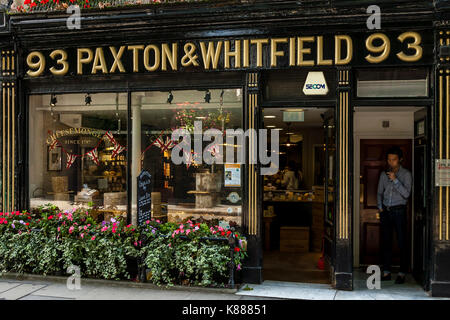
point(48, 241)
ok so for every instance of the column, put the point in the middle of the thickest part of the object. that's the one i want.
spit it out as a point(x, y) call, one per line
point(440, 270)
point(136, 162)
point(252, 269)
point(342, 274)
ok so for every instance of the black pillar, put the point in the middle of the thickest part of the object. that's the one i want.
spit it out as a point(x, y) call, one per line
point(343, 262)
point(252, 196)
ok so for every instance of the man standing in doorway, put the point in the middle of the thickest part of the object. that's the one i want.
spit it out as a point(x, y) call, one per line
point(394, 189)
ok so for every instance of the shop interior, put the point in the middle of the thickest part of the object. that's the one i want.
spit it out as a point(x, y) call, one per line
point(294, 208)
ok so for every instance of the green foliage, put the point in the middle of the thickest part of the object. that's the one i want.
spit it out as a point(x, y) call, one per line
point(48, 241)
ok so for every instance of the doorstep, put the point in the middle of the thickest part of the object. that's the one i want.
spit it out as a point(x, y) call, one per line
point(115, 283)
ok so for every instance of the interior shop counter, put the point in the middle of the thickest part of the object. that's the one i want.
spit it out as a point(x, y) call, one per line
point(177, 213)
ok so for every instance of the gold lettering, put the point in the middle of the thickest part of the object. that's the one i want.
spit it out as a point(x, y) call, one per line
point(246, 54)
point(384, 48)
point(338, 60)
point(62, 61)
point(415, 45)
point(212, 55)
point(274, 53)
point(171, 55)
point(157, 62)
point(136, 56)
point(99, 57)
point(236, 54)
point(38, 66)
point(320, 59)
point(259, 43)
point(81, 60)
point(117, 56)
point(292, 52)
point(301, 51)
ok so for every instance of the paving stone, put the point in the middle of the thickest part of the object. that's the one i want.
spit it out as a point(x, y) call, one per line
point(8, 285)
point(20, 291)
point(275, 289)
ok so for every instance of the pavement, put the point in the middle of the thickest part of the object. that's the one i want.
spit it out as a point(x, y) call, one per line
point(410, 290)
point(45, 288)
point(49, 290)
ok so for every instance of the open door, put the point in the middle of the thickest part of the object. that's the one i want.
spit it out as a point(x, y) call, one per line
point(329, 185)
point(421, 216)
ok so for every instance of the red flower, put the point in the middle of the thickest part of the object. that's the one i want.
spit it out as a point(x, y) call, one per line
point(27, 224)
point(228, 233)
point(50, 217)
point(236, 249)
point(32, 4)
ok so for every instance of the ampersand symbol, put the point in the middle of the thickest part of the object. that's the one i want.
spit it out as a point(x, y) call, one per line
point(189, 50)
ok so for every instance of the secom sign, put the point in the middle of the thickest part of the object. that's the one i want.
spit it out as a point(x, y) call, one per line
point(315, 84)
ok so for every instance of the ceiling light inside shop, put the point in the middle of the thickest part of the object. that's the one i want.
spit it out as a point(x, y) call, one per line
point(53, 100)
point(270, 117)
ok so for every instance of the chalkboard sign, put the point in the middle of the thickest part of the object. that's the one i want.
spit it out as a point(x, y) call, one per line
point(144, 197)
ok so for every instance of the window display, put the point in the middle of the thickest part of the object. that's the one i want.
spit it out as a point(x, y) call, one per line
point(78, 154)
point(193, 188)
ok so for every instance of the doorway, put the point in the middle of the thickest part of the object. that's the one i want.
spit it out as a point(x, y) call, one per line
point(376, 130)
point(297, 206)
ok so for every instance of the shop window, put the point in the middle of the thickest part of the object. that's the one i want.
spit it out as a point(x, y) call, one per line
point(385, 83)
point(193, 188)
point(77, 151)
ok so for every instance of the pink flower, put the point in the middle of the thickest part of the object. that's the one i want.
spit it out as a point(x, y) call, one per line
point(82, 235)
point(196, 228)
point(177, 231)
point(104, 229)
point(188, 231)
point(71, 229)
point(59, 229)
point(93, 238)
point(157, 221)
point(147, 222)
point(85, 228)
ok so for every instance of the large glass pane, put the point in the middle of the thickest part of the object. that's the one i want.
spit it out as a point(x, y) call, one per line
point(77, 151)
point(412, 82)
point(191, 189)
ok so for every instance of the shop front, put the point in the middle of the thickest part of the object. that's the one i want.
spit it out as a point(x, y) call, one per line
point(85, 112)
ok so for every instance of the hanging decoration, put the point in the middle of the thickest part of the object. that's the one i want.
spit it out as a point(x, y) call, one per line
point(167, 145)
point(54, 144)
point(70, 159)
point(117, 149)
point(188, 159)
point(93, 154)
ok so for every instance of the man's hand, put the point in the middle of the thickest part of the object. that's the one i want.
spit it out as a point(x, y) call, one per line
point(392, 176)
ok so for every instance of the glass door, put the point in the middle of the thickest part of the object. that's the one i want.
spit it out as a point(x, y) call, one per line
point(329, 186)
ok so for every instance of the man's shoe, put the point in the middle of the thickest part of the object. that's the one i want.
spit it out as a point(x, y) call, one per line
point(400, 280)
point(386, 277)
